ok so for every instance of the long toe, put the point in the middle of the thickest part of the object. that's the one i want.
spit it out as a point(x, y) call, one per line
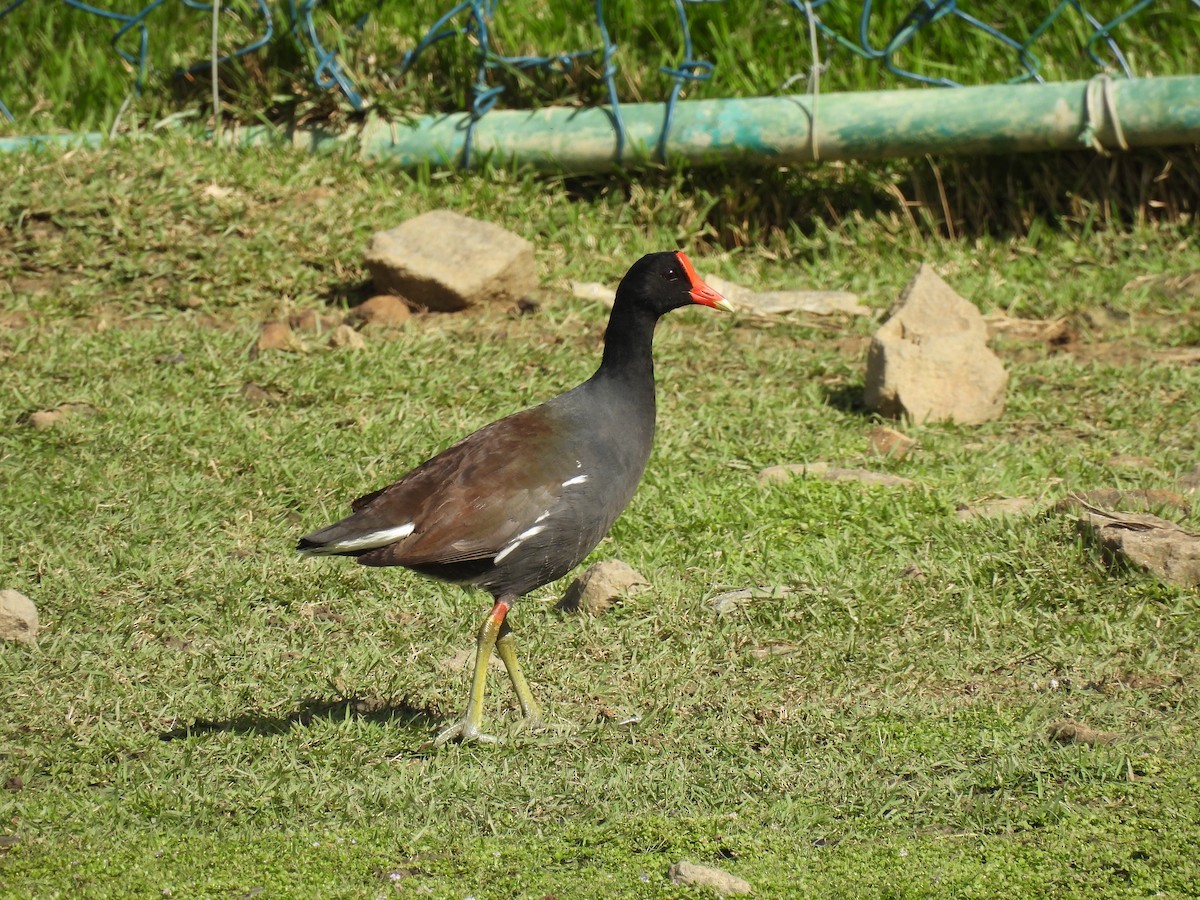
point(533, 722)
point(463, 730)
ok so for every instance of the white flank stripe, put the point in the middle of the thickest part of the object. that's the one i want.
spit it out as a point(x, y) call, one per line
point(516, 542)
point(374, 539)
point(578, 479)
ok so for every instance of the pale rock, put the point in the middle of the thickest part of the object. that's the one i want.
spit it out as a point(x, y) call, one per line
point(346, 338)
point(594, 291)
point(276, 336)
point(930, 360)
point(994, 509)
point(45, 419)
point(601, 586)
point(715, 879)
point(387, 310)
point(767, 303)
point(445, 261)
point(18, 618)
point(1070, 732)
point(888, 442)
point(823, 471)
point(1145, 541)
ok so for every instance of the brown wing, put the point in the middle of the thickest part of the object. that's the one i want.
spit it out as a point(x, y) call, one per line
point(467, 502)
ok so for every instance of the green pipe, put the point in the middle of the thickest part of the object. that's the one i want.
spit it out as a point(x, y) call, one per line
point(797, 128)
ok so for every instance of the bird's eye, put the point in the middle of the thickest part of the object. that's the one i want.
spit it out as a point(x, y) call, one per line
point(671, 275)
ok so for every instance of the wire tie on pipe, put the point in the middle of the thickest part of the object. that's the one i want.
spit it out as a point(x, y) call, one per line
point(1099, 103)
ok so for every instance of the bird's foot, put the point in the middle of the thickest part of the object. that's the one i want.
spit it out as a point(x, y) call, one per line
point(532, 723)
point(463, 730)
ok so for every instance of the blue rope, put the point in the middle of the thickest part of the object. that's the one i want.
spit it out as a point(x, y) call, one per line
point(688, 69)
point(268, 22)
point(328, 73)
point(609, 75)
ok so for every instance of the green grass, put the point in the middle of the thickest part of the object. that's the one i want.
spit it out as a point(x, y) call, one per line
point(63, 75)
point(209, 715)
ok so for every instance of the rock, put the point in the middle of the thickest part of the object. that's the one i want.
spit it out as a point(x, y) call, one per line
point(45, 419)
point(276, 336)
point(601, 586)
point(930, 360)
point(1077, 733)
point(728, 601)
point(18, 618)
point(884, 441)
point(719, 880)
point(466, 657)
point(444, 261)
point(382, 309)
point(767, 303)
point(346, 338)
point(594, 291)
point(994, 509)
point(1145, 541)
point(825, 472)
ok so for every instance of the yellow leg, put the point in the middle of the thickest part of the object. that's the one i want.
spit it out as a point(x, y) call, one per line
point(507, 649)
point(470, 726)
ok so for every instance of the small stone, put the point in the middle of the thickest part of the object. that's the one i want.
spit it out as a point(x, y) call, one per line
point(769, 303)
point(594, 291)
point(387, 310)
point(822, 471)
point(601, 586)
point(45, 419)
point(728, 601)
point(718, 880)
point(1069, 732)
point(346, 338)
point(930, 361)
point(1145, 541)
point(994, 509)
point(276, 336)
point(445, 261)
point(466, 657)
point(18, 618)
point(888, 442)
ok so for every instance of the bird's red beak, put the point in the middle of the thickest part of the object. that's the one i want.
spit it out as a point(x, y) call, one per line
point(701, 293)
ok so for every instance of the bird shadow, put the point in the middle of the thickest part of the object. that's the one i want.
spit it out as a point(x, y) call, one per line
point(366, 709)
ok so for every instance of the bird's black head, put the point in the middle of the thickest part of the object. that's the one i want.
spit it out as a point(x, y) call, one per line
point(661, 282)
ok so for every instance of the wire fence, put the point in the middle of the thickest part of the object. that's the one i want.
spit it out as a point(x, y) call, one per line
point(135, 32)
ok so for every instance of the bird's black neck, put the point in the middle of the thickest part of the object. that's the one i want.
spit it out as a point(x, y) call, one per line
point(628, 359)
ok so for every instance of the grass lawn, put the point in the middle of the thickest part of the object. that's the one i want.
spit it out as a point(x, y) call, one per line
point(207, 714)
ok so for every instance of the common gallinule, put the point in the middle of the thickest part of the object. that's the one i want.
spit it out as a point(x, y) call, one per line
point(522, 501)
